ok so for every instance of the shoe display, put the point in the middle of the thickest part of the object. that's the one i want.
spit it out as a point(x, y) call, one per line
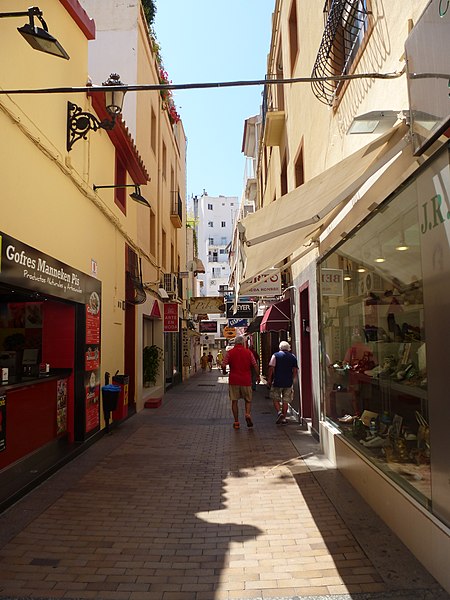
point(346, 419)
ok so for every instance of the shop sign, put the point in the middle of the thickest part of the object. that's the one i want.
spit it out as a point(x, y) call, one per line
point(26, 267)
point(170, 317)
point(186, 349)
point(92, 400)
point(332, 282)
point(266, 284)
point(238, 322)
point(2, 422)
point(208, 326)
point(244, 310)
point(207, 304)
point(229, 332)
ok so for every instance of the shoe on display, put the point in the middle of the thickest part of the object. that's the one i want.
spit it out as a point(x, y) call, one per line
point(346, 419)
point(375, 442)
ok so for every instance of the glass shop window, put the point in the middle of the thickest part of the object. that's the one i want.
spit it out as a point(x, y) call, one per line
point(373, 340)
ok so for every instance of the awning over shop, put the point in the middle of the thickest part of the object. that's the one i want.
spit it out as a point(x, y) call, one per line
point(254, 325)
point(277, 317)
point(287, 225)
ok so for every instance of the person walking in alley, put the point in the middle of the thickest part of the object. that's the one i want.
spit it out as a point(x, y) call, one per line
point(210, 361)
point(241, 362)
point(204, 361)
point(219, 359)
point(283, 371)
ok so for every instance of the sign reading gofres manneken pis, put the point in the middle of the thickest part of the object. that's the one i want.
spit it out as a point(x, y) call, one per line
point(25, 267)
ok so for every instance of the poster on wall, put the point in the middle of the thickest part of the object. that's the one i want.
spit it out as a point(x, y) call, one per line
point(61, 406)
point(92, 358)
point(92, 391)
point(2, 422)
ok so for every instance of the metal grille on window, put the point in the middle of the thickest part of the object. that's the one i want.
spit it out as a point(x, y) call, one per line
point(346, 23)
point(135, 292)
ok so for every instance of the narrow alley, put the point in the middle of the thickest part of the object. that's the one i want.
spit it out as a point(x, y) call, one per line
point(176, 505)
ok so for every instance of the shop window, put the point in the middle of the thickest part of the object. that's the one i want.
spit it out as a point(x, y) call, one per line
point(373, 339)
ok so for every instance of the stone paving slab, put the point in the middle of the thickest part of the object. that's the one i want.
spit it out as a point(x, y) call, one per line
point(176, 505)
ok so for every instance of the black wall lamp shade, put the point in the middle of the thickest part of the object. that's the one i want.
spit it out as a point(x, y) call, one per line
point(38, 37)
point(80, 122)
point(136, 195)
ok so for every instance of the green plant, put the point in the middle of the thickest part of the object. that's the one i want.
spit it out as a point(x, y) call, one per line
point(149, 7)
point(152, 356)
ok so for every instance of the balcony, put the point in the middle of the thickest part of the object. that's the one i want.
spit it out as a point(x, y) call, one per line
point(274, 127)
point(176, 210)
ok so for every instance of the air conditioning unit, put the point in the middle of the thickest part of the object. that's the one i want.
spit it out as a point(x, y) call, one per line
point(170, 283)
point(370, 282)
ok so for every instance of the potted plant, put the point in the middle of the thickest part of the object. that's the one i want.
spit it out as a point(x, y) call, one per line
point(152, 356)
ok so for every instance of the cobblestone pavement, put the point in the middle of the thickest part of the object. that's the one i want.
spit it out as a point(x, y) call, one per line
point(176, 505)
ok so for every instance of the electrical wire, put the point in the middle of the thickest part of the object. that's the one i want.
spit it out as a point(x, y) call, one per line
point(193, 86)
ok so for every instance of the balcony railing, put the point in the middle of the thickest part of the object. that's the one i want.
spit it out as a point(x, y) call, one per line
point(347, 22)
point(176, 210)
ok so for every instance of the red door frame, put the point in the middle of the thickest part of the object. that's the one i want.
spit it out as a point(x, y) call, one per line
point(306, 394)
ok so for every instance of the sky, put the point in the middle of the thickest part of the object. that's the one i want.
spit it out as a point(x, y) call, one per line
point(210, 41)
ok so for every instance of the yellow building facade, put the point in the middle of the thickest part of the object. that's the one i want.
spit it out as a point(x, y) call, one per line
point(83, 261)
point(345, 175)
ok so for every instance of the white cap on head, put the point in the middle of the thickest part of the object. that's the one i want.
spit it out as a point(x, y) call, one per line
point(238, 340)
point(285, 346)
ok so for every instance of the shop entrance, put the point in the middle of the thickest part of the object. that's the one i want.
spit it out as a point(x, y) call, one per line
point(305, 355)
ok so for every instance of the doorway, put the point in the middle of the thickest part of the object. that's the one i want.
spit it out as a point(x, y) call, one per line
point(305, 354)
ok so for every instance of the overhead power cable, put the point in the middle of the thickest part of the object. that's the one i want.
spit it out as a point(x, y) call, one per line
point(192, 86)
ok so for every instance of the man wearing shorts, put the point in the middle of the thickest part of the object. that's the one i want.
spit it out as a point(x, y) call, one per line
point(283, 371)
point(241, 362)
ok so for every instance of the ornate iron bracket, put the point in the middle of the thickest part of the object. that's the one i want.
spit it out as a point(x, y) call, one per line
point(79, 123)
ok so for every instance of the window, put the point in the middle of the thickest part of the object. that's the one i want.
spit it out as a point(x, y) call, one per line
point(373, 340)
point(211, 241)
point(223, 241)
point(348, 24)
point(163, 249)
point(120, 179)
point(164, 161)
point(153, 130)
point(210, 206)
point(283, 177)
point(222, 251)
point(152, 233)
point(224, 224)
point(210, 224)
point(216, 272)
point(293, 34)
point(299, 171)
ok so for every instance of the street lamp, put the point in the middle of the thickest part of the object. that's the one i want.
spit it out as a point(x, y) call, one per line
point(80, 122)
point(136, 195)
point(39, 38)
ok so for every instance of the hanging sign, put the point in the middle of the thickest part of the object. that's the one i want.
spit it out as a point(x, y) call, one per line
point(171, 317)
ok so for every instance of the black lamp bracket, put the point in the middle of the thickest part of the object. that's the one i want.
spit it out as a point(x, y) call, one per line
point(80, 122)
point(33, 11)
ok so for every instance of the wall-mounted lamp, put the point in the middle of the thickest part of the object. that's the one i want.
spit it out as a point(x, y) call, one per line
point(376, 121)
point(136, 195)
point(80, 122)
point(39, 38)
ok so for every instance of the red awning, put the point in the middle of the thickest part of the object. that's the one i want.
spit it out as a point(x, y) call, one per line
point(277, 317)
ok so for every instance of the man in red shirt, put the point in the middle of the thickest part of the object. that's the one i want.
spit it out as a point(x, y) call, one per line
point(241, 361)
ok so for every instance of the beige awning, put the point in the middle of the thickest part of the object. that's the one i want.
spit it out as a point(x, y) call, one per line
point(287, 225)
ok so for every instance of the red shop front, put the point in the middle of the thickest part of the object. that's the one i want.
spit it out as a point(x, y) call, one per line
point(49, 356)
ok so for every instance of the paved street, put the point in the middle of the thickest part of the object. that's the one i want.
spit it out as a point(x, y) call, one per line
point(176, 505)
